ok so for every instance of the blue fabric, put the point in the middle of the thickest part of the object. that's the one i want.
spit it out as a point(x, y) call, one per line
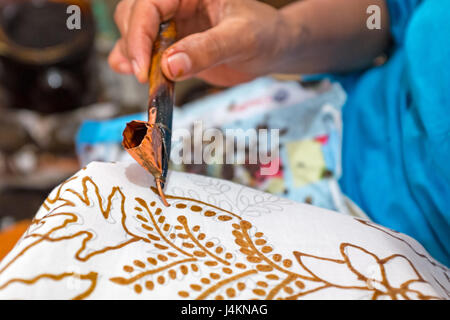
point(396, 148)
point(92, 131)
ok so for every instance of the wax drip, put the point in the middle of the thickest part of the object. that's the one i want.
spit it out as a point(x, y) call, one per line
point(161, 193)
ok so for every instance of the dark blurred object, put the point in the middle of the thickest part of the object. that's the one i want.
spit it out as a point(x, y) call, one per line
point(45, 66)
point(20, 200)
point(38, 126)
point(31, 143)
point(37, 153)
point(278, 3)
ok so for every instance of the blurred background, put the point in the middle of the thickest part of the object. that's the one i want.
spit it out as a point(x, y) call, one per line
point(54, 81)
point(51, 79)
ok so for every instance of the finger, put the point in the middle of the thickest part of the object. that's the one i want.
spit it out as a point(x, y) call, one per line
point(118, 60)
point(143, 29)
point(223, 76)
point(122, 16)
point(201, 51)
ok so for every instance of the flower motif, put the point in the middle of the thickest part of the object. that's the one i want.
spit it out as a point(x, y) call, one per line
point(393, 277)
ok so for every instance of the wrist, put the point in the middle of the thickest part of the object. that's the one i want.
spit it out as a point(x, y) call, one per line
point(290, 42)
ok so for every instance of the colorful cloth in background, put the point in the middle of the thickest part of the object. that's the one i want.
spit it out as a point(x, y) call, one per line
point(101, 140)
point(310, 129)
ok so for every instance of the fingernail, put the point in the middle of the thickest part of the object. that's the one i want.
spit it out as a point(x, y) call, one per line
point(136, 68)
point(179, 64)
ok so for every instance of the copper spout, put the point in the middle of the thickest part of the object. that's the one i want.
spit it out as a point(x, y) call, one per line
point(161, 193)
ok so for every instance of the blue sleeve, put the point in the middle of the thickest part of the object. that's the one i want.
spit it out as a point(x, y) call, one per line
point(400, 12)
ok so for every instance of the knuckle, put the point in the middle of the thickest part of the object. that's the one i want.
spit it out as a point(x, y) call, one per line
point(129, 48)
point(121, 47)
point(213, 45)
point(112, 59)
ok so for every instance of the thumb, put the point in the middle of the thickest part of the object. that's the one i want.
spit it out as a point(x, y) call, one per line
point(201, 51)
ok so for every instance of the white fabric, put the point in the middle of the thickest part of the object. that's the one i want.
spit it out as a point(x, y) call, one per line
point(104, 234)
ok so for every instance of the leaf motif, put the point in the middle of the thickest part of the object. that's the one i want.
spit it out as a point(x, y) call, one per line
point(193, 194)
point(211, 200)
point(327, 270)
point(408, 272)
point(225, 205)
point(225, 188)
point(363, 263)
point(177, 191)
point(119, 280)
point(244, 200)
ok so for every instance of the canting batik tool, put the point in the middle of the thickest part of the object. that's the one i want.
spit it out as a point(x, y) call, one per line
point(149, 142)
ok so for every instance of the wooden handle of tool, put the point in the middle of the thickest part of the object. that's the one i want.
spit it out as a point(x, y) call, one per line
point(161, 89)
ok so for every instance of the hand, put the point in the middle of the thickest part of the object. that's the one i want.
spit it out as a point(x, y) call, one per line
point(224, 42)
